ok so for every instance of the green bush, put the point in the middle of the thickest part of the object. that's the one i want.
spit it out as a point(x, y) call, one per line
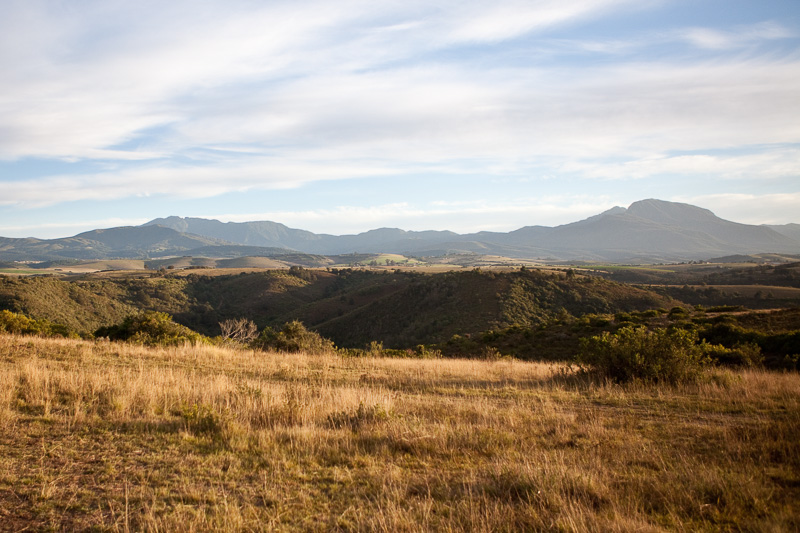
point(293, 337)
point(746, 354)
point(677, 313)
point(633, 353)
point(21, 324)
point(152, 329)
point(424, 352)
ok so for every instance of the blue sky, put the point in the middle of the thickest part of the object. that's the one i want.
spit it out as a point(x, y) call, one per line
point(340, 117)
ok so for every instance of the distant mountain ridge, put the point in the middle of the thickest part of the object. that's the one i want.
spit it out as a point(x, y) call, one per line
point(131, 242)
point(647, 231)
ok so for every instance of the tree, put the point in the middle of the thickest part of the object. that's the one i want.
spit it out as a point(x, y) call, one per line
point(238, 330)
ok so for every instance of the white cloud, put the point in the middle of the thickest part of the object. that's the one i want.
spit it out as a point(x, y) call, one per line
point(716, 39)
point(440, 114)
point(777, 163)
point(247, 95)
point(182, 182)
point(777, 208)
point(461, 217)
point(96, 76)
point(498, 21)
point(56, 230)
point(448, 121)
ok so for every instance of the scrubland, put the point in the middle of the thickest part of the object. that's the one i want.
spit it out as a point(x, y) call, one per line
point(116, 437)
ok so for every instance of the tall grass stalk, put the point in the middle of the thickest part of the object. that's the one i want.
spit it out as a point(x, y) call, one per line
point(111, 436)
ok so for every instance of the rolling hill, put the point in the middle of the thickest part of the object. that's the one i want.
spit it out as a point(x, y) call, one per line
point(352, 307)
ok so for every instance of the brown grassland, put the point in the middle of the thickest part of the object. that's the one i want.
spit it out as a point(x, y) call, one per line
point(117, 437)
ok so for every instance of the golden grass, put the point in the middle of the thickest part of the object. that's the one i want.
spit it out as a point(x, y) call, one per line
point(116, 437)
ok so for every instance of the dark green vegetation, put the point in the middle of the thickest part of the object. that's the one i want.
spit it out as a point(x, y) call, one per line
point(669, 355)
point(526, 314)
point(351, 307)
point(733, 338)
point(152, 329)
point(293, 337)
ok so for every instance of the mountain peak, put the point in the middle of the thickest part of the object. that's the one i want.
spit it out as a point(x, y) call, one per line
point(672, 213)
point(172, 222)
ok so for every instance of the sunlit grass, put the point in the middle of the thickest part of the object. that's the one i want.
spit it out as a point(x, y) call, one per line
point(114, 436)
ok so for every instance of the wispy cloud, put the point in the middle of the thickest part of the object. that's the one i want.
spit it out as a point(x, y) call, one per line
point(776, 208)
point(62, 228)
point(464, 217)
point(781, 162)
point(497, 21)
point(181, 182)
point(189, 100)
point(447, 120)
point(715, 39)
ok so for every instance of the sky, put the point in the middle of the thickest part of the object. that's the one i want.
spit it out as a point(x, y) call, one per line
point(340, 117)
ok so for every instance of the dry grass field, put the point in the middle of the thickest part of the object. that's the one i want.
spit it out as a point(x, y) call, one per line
point(115, 437)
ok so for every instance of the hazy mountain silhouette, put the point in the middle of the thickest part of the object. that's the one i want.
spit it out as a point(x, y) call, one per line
point(657, 230)
point(122, 242)
point(788, 230)
point(647, 231)
point(269, 234)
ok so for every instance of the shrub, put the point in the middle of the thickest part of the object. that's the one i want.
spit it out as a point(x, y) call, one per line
point(293, 337)
point(302, 273)
point(639, 354)
point(151, 328)
point(746, 354)
point(677, 313)
point(424, 352)
point(21, 324)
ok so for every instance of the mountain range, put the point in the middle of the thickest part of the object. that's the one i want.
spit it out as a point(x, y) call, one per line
point(648, 231)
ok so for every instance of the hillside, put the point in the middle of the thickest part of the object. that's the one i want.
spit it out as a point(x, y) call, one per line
point(789, 230)
point(351, 307)
point(429, 309)
point(83, 307)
